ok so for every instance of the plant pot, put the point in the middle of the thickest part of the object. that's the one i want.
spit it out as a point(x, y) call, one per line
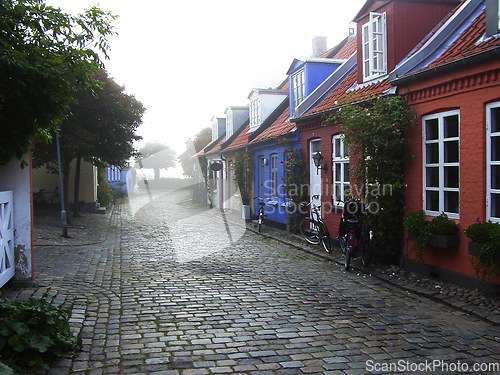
point(245, 212)
point(444, 241)
point(474, 247)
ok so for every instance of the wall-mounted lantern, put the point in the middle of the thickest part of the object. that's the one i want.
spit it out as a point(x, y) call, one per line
point(318, 160)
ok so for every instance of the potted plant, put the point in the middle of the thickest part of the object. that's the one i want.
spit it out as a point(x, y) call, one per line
point(439, 232)
point(485, 248)
point(443, 232)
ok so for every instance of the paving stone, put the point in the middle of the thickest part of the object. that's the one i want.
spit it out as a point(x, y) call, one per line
point(168, 293)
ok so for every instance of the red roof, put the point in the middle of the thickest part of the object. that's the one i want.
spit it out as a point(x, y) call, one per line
point(347, 49)
point(281, 126)
point(468, 43)
point(341, 95)
point(214, 149)
point(240, 141)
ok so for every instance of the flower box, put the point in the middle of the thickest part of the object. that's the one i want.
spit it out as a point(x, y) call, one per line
point(445, 241)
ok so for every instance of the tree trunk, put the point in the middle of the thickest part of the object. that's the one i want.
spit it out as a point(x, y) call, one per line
point(157, 173)
point(76, 198)
point(66, 170)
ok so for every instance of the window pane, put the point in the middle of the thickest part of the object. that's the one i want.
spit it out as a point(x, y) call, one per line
point(432, 153)
point(495, 205)
point(432, 177)
point(451, 201)
point(346, 172)
point(337, 148)
point(451, 178)
point(338, 172)
point(338, 192)
point(495, 177)
point(431, 129)
point(495, 120)
point(432, 200)
point(451, 152)
point(451, 126)
point(495, 148)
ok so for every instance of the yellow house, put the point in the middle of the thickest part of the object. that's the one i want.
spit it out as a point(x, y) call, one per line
point(43, 179)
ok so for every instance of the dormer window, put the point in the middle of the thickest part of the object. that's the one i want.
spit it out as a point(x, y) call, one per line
point(254, 114)
point(298, 88)
point(229, 126)
point(374, 46)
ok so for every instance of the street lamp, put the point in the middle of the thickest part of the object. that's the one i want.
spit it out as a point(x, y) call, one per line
point(318, 159)
point(64, 223)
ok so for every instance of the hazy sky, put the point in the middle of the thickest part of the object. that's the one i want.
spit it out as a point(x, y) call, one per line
point(187, 61)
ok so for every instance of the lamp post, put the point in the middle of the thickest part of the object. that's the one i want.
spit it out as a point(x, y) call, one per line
point(318, 159)
point(64, 223)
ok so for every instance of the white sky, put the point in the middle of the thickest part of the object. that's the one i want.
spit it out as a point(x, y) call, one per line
point(186, 61)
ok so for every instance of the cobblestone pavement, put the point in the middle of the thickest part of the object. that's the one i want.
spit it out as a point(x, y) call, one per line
point(178, 290)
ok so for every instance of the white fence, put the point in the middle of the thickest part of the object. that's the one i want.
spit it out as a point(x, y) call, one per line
point(7, 268)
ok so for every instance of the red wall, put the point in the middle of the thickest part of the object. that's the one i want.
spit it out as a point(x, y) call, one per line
point(316, 130)
point(470, 95)
point(407, 24)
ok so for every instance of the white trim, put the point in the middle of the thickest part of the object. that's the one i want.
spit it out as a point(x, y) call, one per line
point(374, 48)
point(440, 164)
point(489, 162)
point(340, 158)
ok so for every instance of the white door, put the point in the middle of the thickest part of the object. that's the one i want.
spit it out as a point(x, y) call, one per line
point(7, 269)
point(314, 174)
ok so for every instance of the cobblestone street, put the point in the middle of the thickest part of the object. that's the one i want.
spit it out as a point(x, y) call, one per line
point(175, 289)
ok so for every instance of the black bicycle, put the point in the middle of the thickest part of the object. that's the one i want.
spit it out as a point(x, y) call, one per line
point(314, 229)
point(39, 198)
point(355, 234)
point(260, 218)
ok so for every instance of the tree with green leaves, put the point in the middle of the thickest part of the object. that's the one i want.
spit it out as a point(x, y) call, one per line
point(193, 146)
point(375, 132)
point(46, 58)
point(100, 129)
point(157, 156)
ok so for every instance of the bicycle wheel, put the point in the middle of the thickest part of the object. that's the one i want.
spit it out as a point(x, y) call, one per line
point(327, 243)
point(367, 243)
point(349, 249)
point(310, 231)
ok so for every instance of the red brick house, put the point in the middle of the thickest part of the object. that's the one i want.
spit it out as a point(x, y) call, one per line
point(452, 81)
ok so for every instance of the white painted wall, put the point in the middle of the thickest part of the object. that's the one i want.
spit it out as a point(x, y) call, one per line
point(18, 180)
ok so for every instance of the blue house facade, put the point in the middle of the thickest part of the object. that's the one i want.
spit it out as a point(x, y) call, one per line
point(122, 180)
point(269, 158)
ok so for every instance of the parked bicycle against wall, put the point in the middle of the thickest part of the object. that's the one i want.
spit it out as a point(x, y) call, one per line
point(314, 229)
point(355, 233)
point(43, 197)
point(262, 215)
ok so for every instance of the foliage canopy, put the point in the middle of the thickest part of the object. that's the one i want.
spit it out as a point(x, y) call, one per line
point(46, 56)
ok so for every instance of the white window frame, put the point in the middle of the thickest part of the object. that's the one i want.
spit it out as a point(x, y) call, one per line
point(374, 46)
point(340, 159)
point(489, 162)
point(254, 109)
point(274, 175)
point(298, 88)
point(441, 164)
point(229, 126)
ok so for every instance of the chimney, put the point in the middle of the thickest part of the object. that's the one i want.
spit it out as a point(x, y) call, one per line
point(318, 46)
point(492, 18)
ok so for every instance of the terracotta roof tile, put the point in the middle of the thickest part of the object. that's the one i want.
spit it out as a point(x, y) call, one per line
point(214, 149)
point(468, 43)
point(240, 141)
point(347, 50)
point(341, 95)
point(282, 125)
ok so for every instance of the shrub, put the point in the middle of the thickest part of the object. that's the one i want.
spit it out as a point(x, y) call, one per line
point(33, 332)
point(418, 228)
point(486, 260)
point(442, 225)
